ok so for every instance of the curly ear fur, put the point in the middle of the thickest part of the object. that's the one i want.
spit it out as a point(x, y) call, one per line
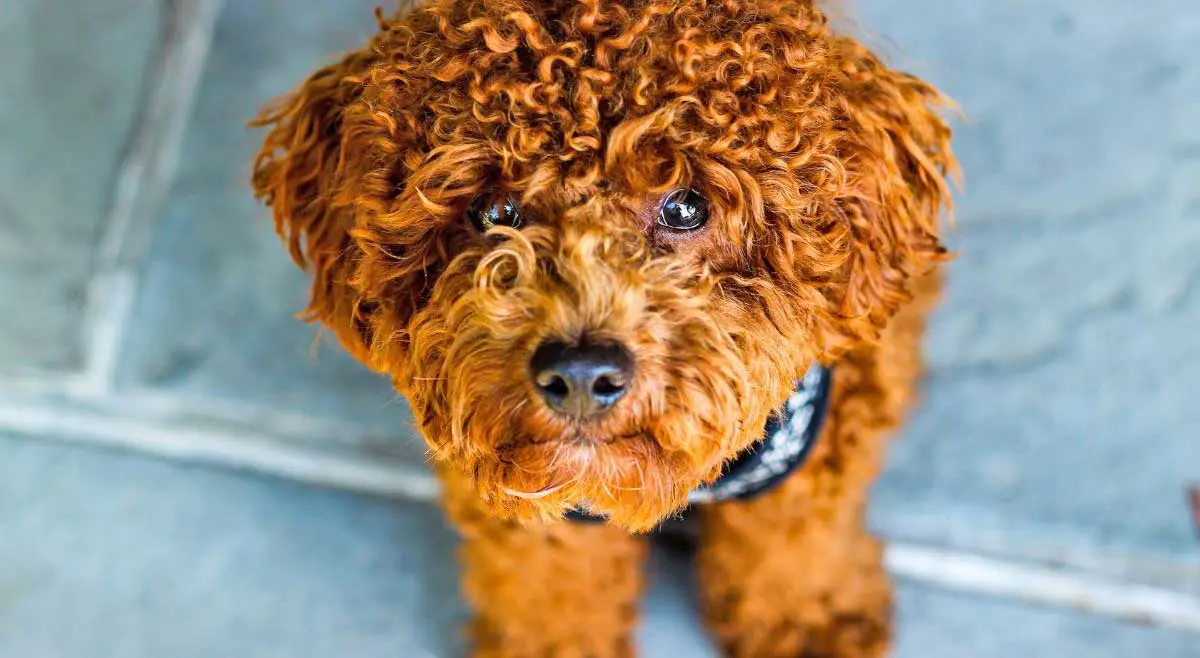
point(897, 157)
point(302, 172)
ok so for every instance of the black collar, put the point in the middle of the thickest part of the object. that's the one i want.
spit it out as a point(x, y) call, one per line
point(787, 441)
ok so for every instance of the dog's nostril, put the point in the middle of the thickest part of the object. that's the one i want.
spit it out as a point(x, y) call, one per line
point(607, 385)
point(552, 383)
point(581, 380)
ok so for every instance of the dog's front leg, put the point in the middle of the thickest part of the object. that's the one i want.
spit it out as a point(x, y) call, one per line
point(794, 573)
point(560, 590)
point(775, 587)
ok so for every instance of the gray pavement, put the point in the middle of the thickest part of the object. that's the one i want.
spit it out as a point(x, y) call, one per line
point(1058, 427)
point(71, 95)
point(1064, 364)
point(136, 558)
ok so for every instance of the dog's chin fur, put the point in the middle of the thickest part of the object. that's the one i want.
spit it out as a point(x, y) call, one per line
point(631, 482)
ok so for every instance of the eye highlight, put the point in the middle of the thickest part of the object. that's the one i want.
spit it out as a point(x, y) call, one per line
point(487, 212)
point(683, 210)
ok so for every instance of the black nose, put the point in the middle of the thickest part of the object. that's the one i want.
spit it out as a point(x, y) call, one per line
point(581, 380)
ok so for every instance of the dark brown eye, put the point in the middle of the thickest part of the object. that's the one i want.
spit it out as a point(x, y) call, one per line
point(683, 210)
point(488, 212)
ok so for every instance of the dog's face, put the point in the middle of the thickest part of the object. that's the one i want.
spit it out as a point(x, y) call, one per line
point(596, 243)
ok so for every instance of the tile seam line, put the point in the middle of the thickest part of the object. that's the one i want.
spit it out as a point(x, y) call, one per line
point(144, 175)
point(259, 452)
point(945, 568)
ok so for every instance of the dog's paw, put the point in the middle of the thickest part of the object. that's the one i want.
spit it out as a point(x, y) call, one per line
point(561, 652)
point(848, 636)
point(534, 649)
point(854, 621)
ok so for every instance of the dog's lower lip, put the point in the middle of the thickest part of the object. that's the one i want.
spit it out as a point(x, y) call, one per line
point(586, 438)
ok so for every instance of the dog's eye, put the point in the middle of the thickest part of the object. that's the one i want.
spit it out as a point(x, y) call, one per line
point(683, 210)
point(488, 212)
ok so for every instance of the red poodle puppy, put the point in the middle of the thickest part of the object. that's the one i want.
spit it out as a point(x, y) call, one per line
point(629, 259)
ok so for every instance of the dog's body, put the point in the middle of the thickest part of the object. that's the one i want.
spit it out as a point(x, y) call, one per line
point(596, 244)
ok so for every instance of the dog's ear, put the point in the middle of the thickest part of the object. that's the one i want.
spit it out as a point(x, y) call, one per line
point(302, 172)
point(897, 158)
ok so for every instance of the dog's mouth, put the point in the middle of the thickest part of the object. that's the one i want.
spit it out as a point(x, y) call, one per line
point(563, 456)
point(624, 474)
point(579, 436)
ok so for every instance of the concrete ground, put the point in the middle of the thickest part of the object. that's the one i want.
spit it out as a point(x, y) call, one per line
point(180, 476)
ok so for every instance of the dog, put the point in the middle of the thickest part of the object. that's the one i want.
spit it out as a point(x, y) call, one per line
point(629, 260)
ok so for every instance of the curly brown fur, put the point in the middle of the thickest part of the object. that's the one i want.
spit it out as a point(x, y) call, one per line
point(559, 589)
point(794, 573)
point(825, 171)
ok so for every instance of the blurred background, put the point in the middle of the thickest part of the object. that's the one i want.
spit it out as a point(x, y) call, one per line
point(183, 474)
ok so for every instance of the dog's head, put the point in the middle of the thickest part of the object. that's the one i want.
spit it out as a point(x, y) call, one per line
point(595, 243)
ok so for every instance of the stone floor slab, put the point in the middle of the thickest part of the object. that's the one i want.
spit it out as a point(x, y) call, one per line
point(111, 555)
point(127, 557)
point(1060, 406)
point(72, 81)
point(216, 306)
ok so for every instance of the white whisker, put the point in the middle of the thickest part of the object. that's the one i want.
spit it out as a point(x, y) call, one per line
point(534, 495)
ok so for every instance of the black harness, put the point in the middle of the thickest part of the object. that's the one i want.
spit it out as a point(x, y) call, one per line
point(788, 439)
